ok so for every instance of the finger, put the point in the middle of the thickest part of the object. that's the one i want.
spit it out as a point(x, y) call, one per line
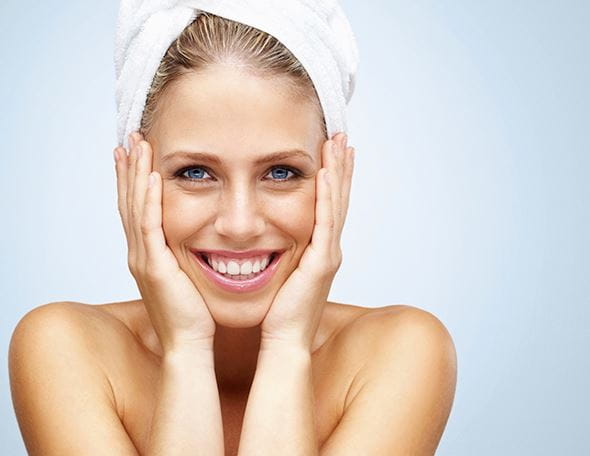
point(347, 180)
point(131, 162)
point(121, 170)
point(138, 197)
point(339, 142)
point(324, 216)
point(154, 240)
point(342, 154)
point(334, 157)
point(143, 168)
point(134, 242)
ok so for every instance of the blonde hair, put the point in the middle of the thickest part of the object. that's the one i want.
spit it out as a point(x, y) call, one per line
point(212, 39)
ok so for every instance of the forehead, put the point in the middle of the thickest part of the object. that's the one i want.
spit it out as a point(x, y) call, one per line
point(225, 109)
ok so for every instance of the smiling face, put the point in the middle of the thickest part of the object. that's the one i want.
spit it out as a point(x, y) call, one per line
point(238, 198)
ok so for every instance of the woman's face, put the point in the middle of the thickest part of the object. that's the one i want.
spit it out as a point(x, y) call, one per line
point(235, 200)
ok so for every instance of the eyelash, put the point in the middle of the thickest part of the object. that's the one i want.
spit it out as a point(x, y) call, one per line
point(179, 174)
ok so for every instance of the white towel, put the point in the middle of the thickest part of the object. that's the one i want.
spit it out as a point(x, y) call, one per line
point(317, 32)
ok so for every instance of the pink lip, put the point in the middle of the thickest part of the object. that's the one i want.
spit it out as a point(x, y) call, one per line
point(240, 286)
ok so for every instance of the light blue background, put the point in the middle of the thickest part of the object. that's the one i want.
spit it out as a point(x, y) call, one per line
point(470, 197)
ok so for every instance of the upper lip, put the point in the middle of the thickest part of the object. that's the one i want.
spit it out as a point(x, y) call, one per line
point(238, 254)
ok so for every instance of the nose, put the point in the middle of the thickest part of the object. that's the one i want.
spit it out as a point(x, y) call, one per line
point(239, 216)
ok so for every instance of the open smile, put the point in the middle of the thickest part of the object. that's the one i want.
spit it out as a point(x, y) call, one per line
point(244, 274)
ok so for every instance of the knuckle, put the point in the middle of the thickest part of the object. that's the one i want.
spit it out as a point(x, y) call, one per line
point(132, 267)
point(336, 260)
point(349, 171)
point(331, 223)
point(122, 209)
point(129, 204)
point(136, 212)
point(145, 228)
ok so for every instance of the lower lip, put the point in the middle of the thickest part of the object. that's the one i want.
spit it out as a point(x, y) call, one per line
point(240, 286)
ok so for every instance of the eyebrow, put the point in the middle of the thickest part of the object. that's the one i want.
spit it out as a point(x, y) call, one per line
point(207, 157)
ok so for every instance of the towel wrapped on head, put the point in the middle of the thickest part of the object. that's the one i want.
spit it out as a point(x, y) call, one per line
point(316, 32)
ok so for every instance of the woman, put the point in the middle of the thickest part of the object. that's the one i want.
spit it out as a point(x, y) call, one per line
point(233, 196)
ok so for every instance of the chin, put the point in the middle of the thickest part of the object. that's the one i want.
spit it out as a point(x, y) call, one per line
point(246, 313)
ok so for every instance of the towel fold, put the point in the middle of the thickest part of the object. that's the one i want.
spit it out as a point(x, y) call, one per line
point(317, 32)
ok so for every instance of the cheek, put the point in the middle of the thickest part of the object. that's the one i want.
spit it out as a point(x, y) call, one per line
point(182, 215)
point(294, 214)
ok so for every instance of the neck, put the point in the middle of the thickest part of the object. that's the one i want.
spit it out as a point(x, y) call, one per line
point(236, 355)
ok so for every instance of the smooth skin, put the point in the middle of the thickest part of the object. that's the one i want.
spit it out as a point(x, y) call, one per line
point(288, 329)
point(179, 312)
point(402, 363)
point(175, 306)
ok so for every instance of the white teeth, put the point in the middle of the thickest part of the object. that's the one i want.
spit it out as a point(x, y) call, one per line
point(233, 268)
point(221, 267)
point(246, 268)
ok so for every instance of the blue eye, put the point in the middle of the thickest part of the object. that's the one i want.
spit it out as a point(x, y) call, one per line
point(194, 174)
point(191, 174)
point(282, 176)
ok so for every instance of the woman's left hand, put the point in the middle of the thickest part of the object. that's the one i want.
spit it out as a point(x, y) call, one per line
point(294, 316)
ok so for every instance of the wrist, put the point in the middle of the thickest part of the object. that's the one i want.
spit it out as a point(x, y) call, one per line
point(284, 348)
point(202, 352)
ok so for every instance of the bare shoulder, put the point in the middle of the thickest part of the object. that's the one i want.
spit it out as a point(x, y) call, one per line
point(392, 338)
point(397, 322)
point(94, 337)
point(90, 323)
point(70, 399)
point(65, 319)
point(80, 333)
point(402, 391)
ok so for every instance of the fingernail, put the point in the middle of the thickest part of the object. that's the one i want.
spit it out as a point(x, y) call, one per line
point(131, 141)
point(327, 177)
point(334, 147)
point(139, 150)
point(116, 153)
point(152, 180)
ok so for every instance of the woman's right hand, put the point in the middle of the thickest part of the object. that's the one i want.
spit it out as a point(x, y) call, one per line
point(177, 310)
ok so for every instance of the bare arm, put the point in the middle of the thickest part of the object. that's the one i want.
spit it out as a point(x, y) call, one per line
point(279, 415)
point(64, 402)
point(399, 405)
point(187, 416)
point(62, 397)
